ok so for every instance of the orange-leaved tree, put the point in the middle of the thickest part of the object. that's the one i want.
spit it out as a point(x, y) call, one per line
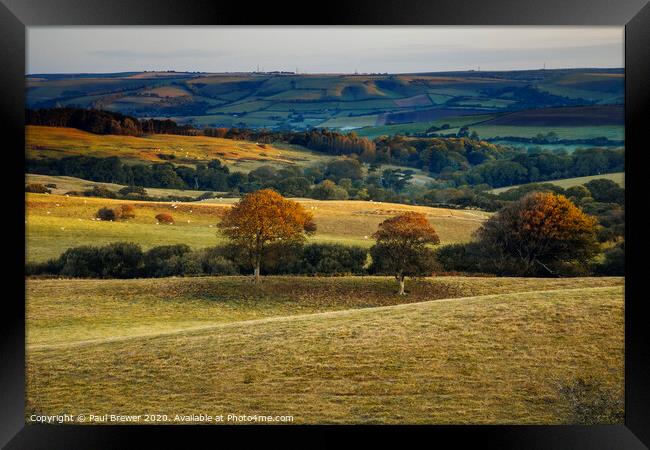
point(542, 230)
point(403, 247)
point(262, 218)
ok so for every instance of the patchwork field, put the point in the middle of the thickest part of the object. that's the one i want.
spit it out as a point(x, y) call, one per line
point(298, 101)
point(338, 350)
point(56, 222)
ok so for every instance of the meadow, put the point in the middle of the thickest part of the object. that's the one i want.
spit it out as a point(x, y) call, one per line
point(618, 177)
point(340, 350)
point(57, 222)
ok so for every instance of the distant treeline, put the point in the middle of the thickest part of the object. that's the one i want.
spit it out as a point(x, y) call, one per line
point(343, 177)
point(104, 122)
point(464, 160)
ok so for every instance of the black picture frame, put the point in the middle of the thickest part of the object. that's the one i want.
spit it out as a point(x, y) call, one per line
point(15, 15)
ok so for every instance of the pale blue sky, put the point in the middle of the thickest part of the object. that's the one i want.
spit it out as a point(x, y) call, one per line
point(320, 49)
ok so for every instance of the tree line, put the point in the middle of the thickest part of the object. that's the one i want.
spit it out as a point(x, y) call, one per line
point(104, 122)
point(460, 160)
point(541, 234)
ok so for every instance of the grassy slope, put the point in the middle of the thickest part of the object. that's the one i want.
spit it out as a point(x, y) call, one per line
point(494, 358)
point(618, 177)
point(66, 184)
point(55, 222)
point(241, 156)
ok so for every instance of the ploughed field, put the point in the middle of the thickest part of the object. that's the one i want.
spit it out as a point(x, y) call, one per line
point(55, 223)
point(324, 350)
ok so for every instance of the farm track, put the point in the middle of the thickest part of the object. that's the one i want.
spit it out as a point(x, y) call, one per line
point(199, 329)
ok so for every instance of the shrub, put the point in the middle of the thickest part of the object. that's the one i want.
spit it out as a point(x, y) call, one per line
point(614, 261)
point(107, 214)
point(121, 260)
point(332, 259)
point(185, 265)
point(156, 260)
point(475, 257)
point(165, 218)
point(49, 267)
point(219, 261)
point(82, 262)
point(100, 191)
point(126, 212)
point(51, 185)
point(37, 189)
point(589, 402)
point(139, 190)
point(205, 196)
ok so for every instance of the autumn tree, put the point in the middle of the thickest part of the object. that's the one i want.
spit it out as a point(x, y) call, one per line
point(262, 218)
point(540, 231)
point(403, 247)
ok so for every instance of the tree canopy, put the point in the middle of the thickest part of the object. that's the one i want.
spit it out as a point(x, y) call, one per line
point(263, 218)
point(542, 229)
point(402, 247)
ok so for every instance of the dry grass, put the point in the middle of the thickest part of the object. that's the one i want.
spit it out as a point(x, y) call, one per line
point(66, 184)
point(65, 311)
point(241, 156)
point(617, 177)
point(488, 359)
point(56, 222)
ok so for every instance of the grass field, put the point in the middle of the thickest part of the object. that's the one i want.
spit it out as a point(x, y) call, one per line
point(618, 177)
point(241, 156)
point(66, 184)
point(56, 222)
point(337, 350)
point(613, 132)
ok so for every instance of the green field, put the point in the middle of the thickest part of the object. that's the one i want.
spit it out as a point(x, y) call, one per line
point(337, 350)
point(55, 223)
point(618, 177)
point(421, 127)
point(249, 99)
point(613, 132)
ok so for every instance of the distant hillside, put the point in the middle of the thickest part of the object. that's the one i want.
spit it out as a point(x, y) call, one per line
point(290, 101)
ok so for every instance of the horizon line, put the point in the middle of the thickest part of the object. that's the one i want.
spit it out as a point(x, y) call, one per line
point(288, 72)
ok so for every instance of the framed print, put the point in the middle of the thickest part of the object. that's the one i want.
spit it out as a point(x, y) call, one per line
point(386, 218)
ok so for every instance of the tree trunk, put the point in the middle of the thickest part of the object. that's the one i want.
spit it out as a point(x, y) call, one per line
point(256, 273)
point(401, 286)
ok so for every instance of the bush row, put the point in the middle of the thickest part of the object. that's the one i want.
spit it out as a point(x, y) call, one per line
point(127, 260)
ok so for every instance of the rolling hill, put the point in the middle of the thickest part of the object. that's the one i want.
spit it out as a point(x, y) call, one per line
point(55, 223)
point(618, 177)
point(324, 350)
point(298, 101)
point(242, 156)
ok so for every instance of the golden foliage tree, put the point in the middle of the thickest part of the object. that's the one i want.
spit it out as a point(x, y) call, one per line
point(262, 218)
point(403, 247)
point(542, 229)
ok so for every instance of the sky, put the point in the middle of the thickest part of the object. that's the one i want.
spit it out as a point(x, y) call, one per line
point(404, 49)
